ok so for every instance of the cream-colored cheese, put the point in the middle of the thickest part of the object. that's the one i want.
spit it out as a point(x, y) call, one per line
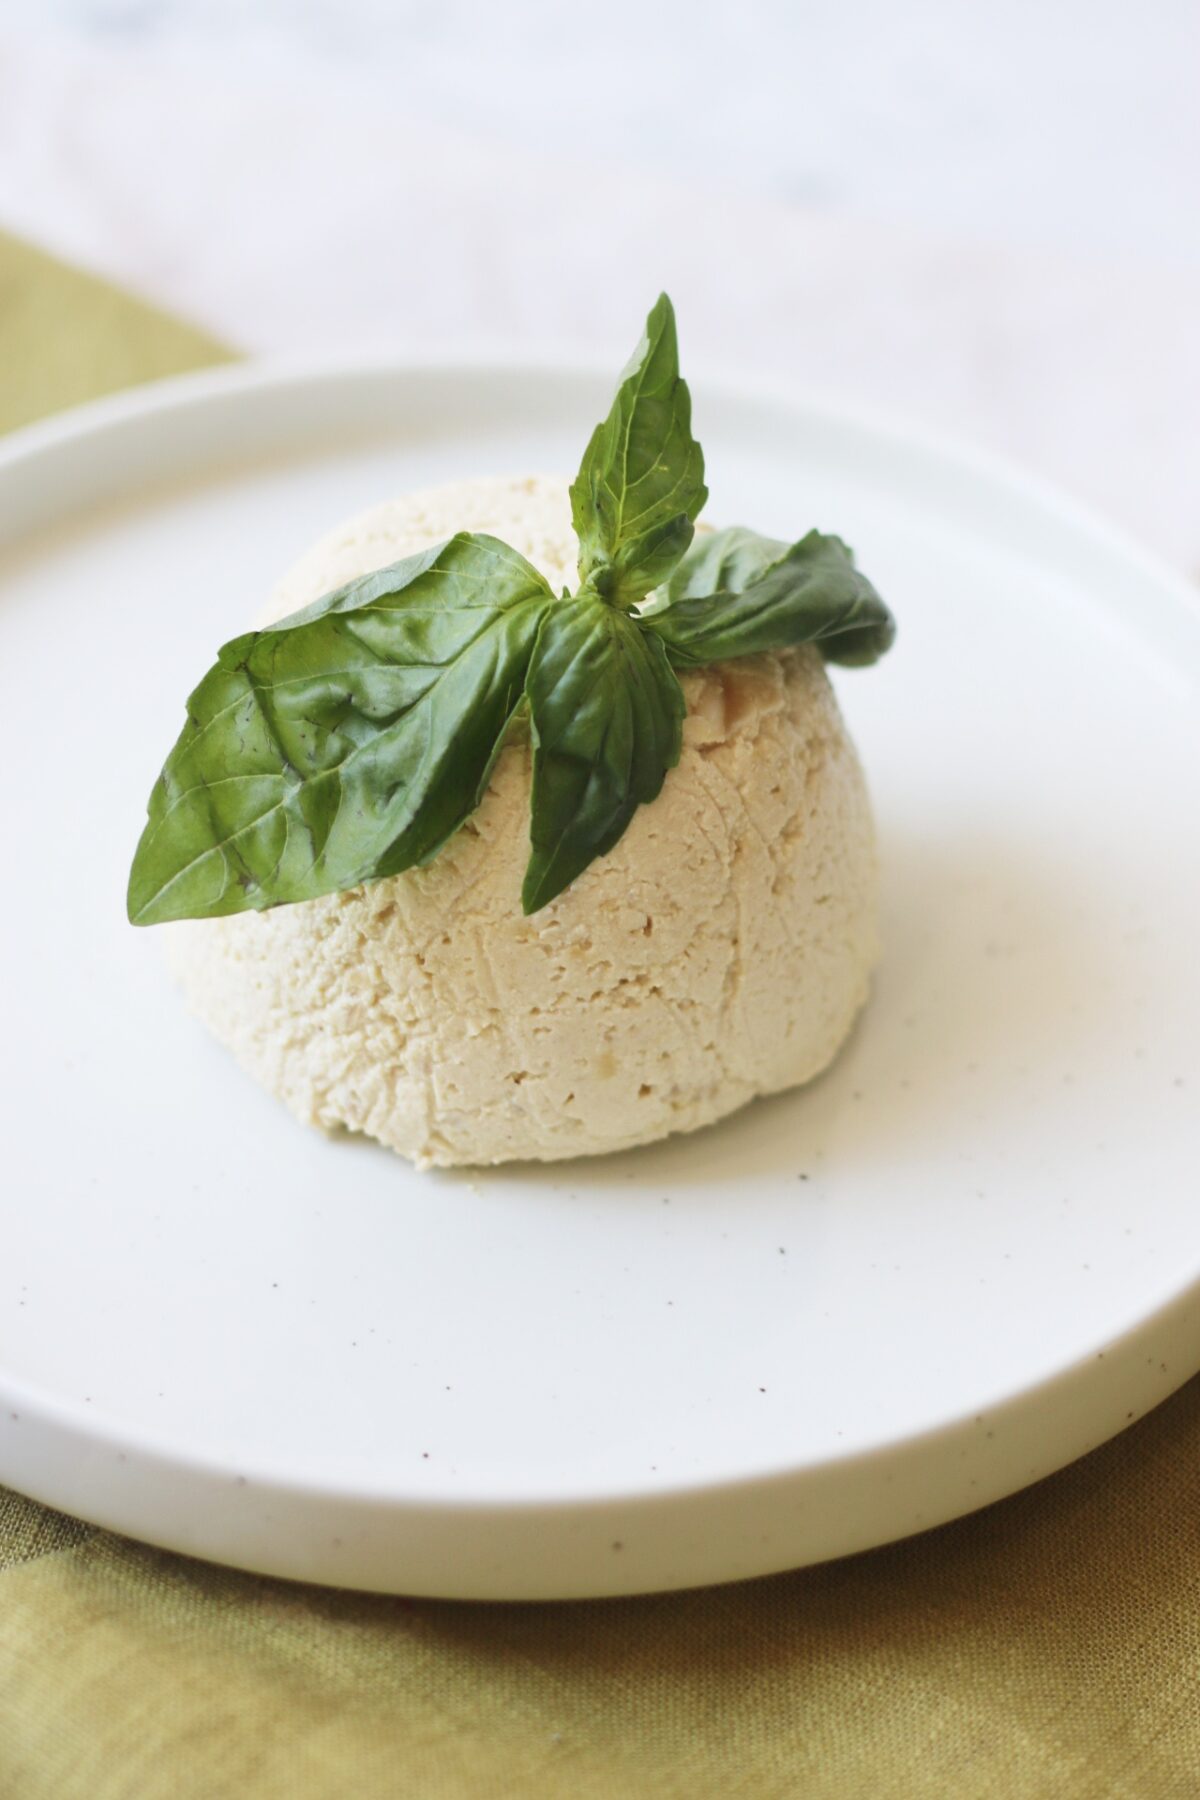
point(720, 951)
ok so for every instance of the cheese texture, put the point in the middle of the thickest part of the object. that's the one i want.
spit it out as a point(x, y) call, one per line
point(720, 951)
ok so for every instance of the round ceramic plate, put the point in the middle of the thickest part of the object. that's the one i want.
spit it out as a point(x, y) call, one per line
point(963, 1257)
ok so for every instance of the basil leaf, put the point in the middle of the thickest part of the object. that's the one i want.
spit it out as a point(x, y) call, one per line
point(736, 593)
point(641, 481)
point(606, 714)
point(346, 743)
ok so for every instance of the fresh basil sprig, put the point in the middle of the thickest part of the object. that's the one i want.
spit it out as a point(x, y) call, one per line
point(349, 741)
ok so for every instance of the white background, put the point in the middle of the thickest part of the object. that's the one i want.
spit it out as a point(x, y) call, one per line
point(982, 217)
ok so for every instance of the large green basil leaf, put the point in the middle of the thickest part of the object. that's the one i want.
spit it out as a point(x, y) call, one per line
point(641, 481)
point(346, 743)
point(606, 714)
point(736, 593)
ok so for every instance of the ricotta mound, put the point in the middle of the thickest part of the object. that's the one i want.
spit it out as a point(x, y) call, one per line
point(720, 951)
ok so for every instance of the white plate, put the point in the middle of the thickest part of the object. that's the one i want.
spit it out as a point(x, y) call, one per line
point(964, 1257)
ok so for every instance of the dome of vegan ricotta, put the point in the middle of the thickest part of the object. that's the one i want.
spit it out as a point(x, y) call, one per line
point(720, 951)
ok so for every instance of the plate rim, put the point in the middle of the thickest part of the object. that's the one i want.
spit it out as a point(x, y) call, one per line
point(257, 376)
point(254, 382)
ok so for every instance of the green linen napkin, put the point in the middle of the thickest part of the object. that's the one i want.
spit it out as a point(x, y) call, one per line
point(66, 337)
point(1048, 1647)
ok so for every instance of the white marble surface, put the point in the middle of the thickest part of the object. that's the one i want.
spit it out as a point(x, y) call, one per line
point(984, 219)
